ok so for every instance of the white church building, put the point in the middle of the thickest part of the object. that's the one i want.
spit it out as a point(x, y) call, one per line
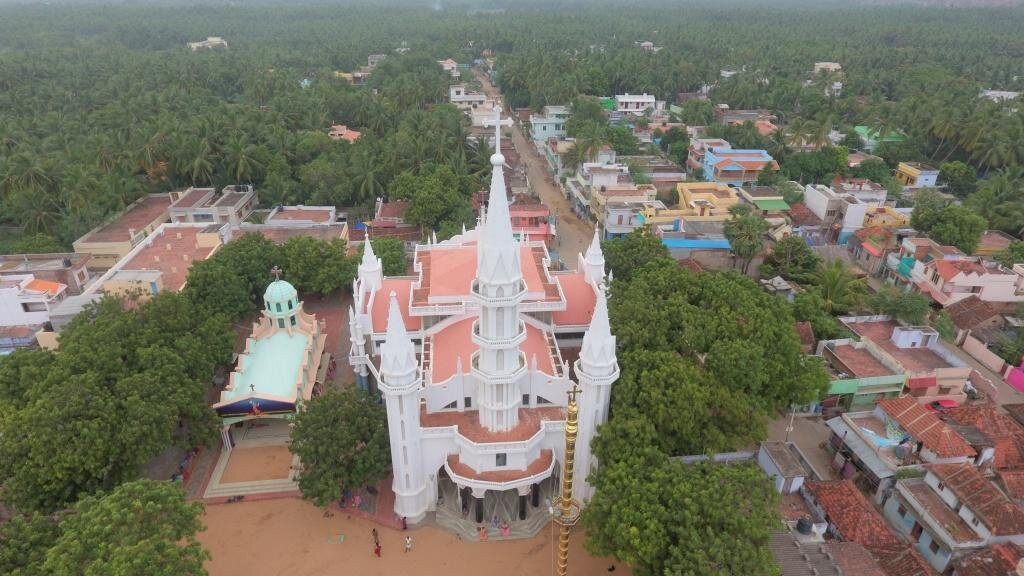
point(473, 355)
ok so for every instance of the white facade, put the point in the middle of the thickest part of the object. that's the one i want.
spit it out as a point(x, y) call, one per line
point(493, 423)
point(458, 95)
point(635, 103)
point(26, 302)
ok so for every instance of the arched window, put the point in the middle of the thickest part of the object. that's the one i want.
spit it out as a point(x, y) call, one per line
point(280, 322)
point(278, 304)
point(289, 304)
point(293, 319)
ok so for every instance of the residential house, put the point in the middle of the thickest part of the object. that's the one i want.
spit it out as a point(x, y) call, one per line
point(852, 518)
point(374, 59)
point(869, 247)
point(841, 213)
point(993, 242)
point(933, 371)
point(806, 224)
point(210, 42)
point(663, 174)
point(999, 95)
point(697, 201)
point(603, 198)
point(701, 240)
point(464, 99)
point(389, 221)
point(827, 67)
point(862, 189)
point(861, 375)
point(998, 560)
point(905, 267)
point(872, 446)
point(204, 206)
point(729, 117)
point(736, 167)
point(1004, 433)
point(976, 317)
point(767, 200)
point(27, 301)
point(592, 176)
point(784, 464)
point(111, 241)
point(285, 222)
point(554, 151)
point(624, 217)
point(531, 220)
point(550, 123)
point(699, 147)
point(948, 281)
point(451, 67)
point(951, 511)
point(887, 217)
point(913, 175)
point(870, 138)
point(648, 46)
point(634, 103)
point(343, 132)
point(856, 158)
point(66, 268)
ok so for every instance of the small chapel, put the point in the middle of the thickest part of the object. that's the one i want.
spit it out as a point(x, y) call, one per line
point(473, 355)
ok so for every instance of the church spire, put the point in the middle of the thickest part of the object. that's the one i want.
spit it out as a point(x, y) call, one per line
point(497, 252)
point(397, 353)
point(593, 261)
point(597, 355)
point(371, 273)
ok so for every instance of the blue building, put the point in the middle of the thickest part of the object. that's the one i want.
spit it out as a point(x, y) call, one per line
point(736, 167)
point(549, 124)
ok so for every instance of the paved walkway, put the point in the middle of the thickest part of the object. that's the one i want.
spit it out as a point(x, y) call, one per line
point(574, 235)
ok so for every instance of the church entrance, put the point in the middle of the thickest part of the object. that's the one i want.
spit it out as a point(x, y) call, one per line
point(502, 514)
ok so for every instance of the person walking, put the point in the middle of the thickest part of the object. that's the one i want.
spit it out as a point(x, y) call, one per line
point(376, 537)
point(405, 523)
point(408, 543)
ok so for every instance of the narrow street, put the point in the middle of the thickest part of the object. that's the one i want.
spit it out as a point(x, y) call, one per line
point(574, 235)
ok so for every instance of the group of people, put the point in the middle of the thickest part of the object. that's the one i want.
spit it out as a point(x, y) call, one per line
point(506, 530)
point(376, 539)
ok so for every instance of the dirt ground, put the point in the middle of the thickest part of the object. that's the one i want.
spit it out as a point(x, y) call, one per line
point(257, 463)
point(292, 537)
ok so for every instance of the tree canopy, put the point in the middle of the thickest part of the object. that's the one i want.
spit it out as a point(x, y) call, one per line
point(342, 440)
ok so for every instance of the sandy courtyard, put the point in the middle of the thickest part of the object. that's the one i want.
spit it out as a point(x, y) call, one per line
point(291, 537)
point(257, 463)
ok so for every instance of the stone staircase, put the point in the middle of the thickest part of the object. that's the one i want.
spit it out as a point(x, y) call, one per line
point(453, 521)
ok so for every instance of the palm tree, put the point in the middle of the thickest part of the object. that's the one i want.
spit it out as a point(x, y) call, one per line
point(201, 166)
point(367, 180)
point(839, 288)
point(238, 158)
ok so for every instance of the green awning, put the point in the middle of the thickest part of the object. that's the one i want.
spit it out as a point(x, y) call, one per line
point(770, 205)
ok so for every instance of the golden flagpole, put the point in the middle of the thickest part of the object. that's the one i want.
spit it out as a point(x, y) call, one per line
point(568, 509)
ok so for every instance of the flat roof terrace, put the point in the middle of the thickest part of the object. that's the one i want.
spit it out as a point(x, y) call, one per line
point(137, 217)
point(172, 253)
point(469, 425)
point(305, 214)
point(913, 359)
point(859, 362)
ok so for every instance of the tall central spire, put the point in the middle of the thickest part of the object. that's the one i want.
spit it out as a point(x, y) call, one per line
point(499, 287)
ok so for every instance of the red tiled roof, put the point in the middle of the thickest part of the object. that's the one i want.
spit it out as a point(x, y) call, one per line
point(801, 215)
point(16, 331)
point(850, 512)
point(901, 560)
point(853, 559)
point(692, 264)
point(1013, 483)
point(926, 427)
point(806, 333)
point(949, 269)
point(999, 513)
point(971, 312)
point(542, 463)
point(394, 209)
point(1004, 431)
point(998, 560)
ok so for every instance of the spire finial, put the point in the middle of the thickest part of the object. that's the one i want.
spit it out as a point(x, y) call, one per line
point(497, 159)
point(573, 392)
point(276, 272)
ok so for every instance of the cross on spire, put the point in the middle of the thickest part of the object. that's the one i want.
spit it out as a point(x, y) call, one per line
point(276, 272)
point(572, 393)
point(497, 122)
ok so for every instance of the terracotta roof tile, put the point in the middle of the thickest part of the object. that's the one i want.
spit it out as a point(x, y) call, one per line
point(1006, 434)
point(949, 269)
point(801, 215)
point(852, 514)
point(998, 560)
point(853, 559)
point(1013, 483)
point(999, 513)
point(926, 427)
point(971, 312)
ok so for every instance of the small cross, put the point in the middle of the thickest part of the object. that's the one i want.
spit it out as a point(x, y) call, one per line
point(252, 387)
point(276, 272)
point(572, 393)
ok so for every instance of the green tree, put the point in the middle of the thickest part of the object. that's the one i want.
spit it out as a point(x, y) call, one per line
point(342, 440)
point(703, 518)
point(909, 307)
point(631, 252)
point(958, 226)
point(960, 179)
point(391, 252)
point(808, 306)
point(745, 232)
point(944, 325)
point(319, 266)
point(1014, 254)
point(36, 244)
point(839, 289)
point(874, 170)
point(928, 208)
point(792, 259)
point(24, 541)
point(140, 527)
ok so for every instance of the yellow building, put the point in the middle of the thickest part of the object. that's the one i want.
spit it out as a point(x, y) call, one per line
point(886, 217)
point(916, 175)
point(707, 201)
point(111, 241)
